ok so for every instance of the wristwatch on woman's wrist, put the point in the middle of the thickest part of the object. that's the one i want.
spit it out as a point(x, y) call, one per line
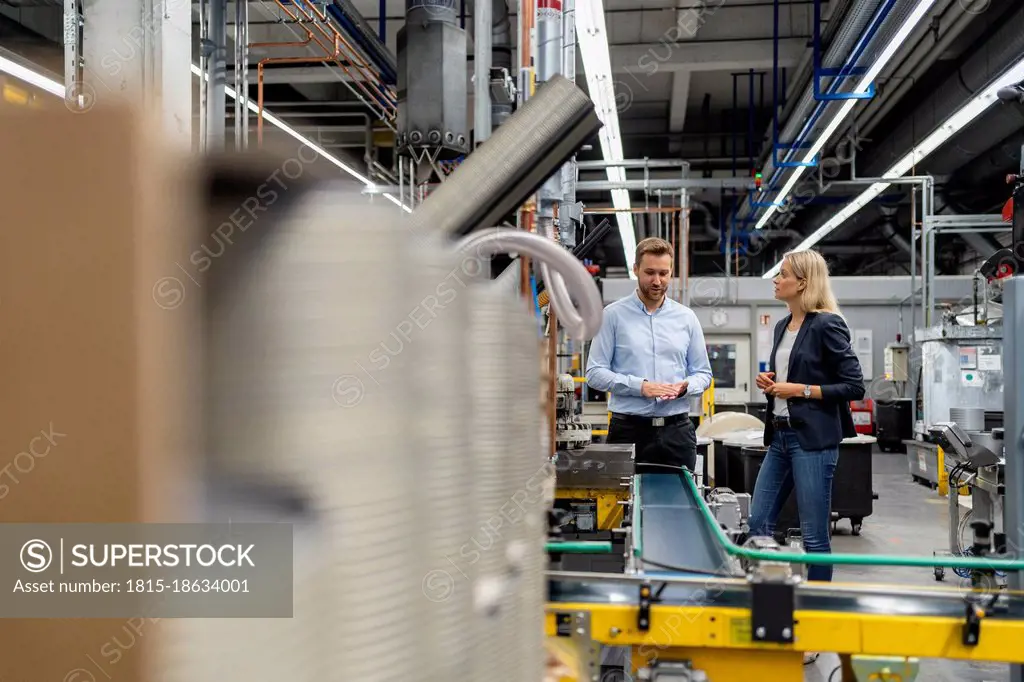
point(807, 391)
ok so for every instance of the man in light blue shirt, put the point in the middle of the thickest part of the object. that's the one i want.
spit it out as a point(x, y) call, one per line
point(650, 355)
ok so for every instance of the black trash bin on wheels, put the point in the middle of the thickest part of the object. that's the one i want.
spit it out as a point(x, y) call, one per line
point(852, 493)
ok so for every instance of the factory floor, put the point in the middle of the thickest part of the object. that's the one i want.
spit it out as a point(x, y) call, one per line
point(908, 519)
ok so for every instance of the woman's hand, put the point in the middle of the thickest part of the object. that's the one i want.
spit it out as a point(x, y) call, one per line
point(765, 380)
point(786, 391)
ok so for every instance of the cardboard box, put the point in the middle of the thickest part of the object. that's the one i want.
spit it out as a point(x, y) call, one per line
point(96, 375)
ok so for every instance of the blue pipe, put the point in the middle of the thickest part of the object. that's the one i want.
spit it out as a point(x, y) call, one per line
point(819, 109)
point(865, 39)
point(750, 119)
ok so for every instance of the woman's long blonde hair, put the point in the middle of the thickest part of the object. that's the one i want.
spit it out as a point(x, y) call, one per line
point(817, 296)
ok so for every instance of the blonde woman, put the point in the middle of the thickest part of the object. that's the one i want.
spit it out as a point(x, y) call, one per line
point(814, 374)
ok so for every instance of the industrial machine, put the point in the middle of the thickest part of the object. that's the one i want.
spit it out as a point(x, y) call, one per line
point(571, 432)
point(978, 463)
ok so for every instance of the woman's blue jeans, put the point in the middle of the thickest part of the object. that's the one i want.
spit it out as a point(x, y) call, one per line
point(787, 465)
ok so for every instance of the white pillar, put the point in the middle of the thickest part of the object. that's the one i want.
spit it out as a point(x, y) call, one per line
point(140, 51)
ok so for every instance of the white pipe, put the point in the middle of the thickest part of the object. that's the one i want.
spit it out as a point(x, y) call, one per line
point(582, 324)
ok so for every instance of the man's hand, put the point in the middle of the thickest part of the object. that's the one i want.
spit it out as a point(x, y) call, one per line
point(765, 380)
point(652, 390)
point(680, 388)
point(786, 391)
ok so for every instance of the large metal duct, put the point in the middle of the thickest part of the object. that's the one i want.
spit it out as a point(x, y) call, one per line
point(992, 56)
point(838, 52)
point(499, 176)
point(432, 83)
point(501, 36)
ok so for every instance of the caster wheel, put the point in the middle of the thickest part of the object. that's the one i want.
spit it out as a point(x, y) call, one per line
point(856, 528)
point(940, 574)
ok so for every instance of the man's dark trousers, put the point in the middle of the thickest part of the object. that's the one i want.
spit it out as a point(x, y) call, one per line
point(672, 443)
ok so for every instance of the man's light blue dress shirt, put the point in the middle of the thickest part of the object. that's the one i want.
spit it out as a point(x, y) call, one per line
point(666, 346)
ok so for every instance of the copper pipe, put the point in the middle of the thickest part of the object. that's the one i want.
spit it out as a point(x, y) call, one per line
point(355, 58)
point(553, 364)
point(526, 221)
point(388, 100)
point(553, 371)
point(259, 82)
point(679, 256)
point(526, 7)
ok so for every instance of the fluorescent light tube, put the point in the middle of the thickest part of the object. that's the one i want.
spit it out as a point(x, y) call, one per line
point(592, 41)
point(952, 125)
point(284, 127)
point(883, 58)
point(31, 77)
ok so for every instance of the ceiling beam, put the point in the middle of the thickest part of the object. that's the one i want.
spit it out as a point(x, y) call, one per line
point(647, 59)
point(680, 98)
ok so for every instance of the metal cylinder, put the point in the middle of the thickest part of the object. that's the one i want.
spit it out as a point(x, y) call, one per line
point(549, 64)
point(431, 11)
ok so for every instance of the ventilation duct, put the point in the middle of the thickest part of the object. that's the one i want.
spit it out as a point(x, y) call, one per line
point(500, 175)
point(432, 83)
point(992, 57)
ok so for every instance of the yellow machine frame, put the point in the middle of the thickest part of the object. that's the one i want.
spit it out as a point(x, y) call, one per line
point(610, 511)
point(717, 640)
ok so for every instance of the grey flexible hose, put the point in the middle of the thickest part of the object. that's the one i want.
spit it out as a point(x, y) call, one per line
point(556, 264)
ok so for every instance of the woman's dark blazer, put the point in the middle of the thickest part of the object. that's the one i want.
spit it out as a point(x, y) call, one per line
point(822, 355)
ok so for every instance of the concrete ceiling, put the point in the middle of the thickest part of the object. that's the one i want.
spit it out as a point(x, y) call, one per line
point(682, 71)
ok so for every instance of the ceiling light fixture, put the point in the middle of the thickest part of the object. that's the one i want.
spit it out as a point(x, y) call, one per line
point(909, 24)
point(974, 108)
point(592, 40)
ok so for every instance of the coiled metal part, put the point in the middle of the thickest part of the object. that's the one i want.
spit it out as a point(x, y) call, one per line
point(485, 549)
point(528, 468)
point(441, 391)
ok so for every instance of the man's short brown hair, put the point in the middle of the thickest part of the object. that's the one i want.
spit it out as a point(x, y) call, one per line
point(653, 246)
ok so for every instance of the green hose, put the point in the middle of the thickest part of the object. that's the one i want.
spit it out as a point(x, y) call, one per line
point(580, 547)
point(847, 559)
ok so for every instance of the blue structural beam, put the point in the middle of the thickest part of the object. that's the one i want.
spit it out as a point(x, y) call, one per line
point(376, 51)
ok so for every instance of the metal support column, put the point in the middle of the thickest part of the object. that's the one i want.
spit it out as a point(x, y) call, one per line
point(241, 73)
point(216, 109)
point(481, 70)
point(138, 53)
point(74, 23)
point(1013, 379)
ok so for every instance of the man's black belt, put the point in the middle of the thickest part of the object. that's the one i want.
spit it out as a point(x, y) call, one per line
point(651, 421)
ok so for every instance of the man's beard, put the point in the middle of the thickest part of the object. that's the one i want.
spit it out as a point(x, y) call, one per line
point(651, 295)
